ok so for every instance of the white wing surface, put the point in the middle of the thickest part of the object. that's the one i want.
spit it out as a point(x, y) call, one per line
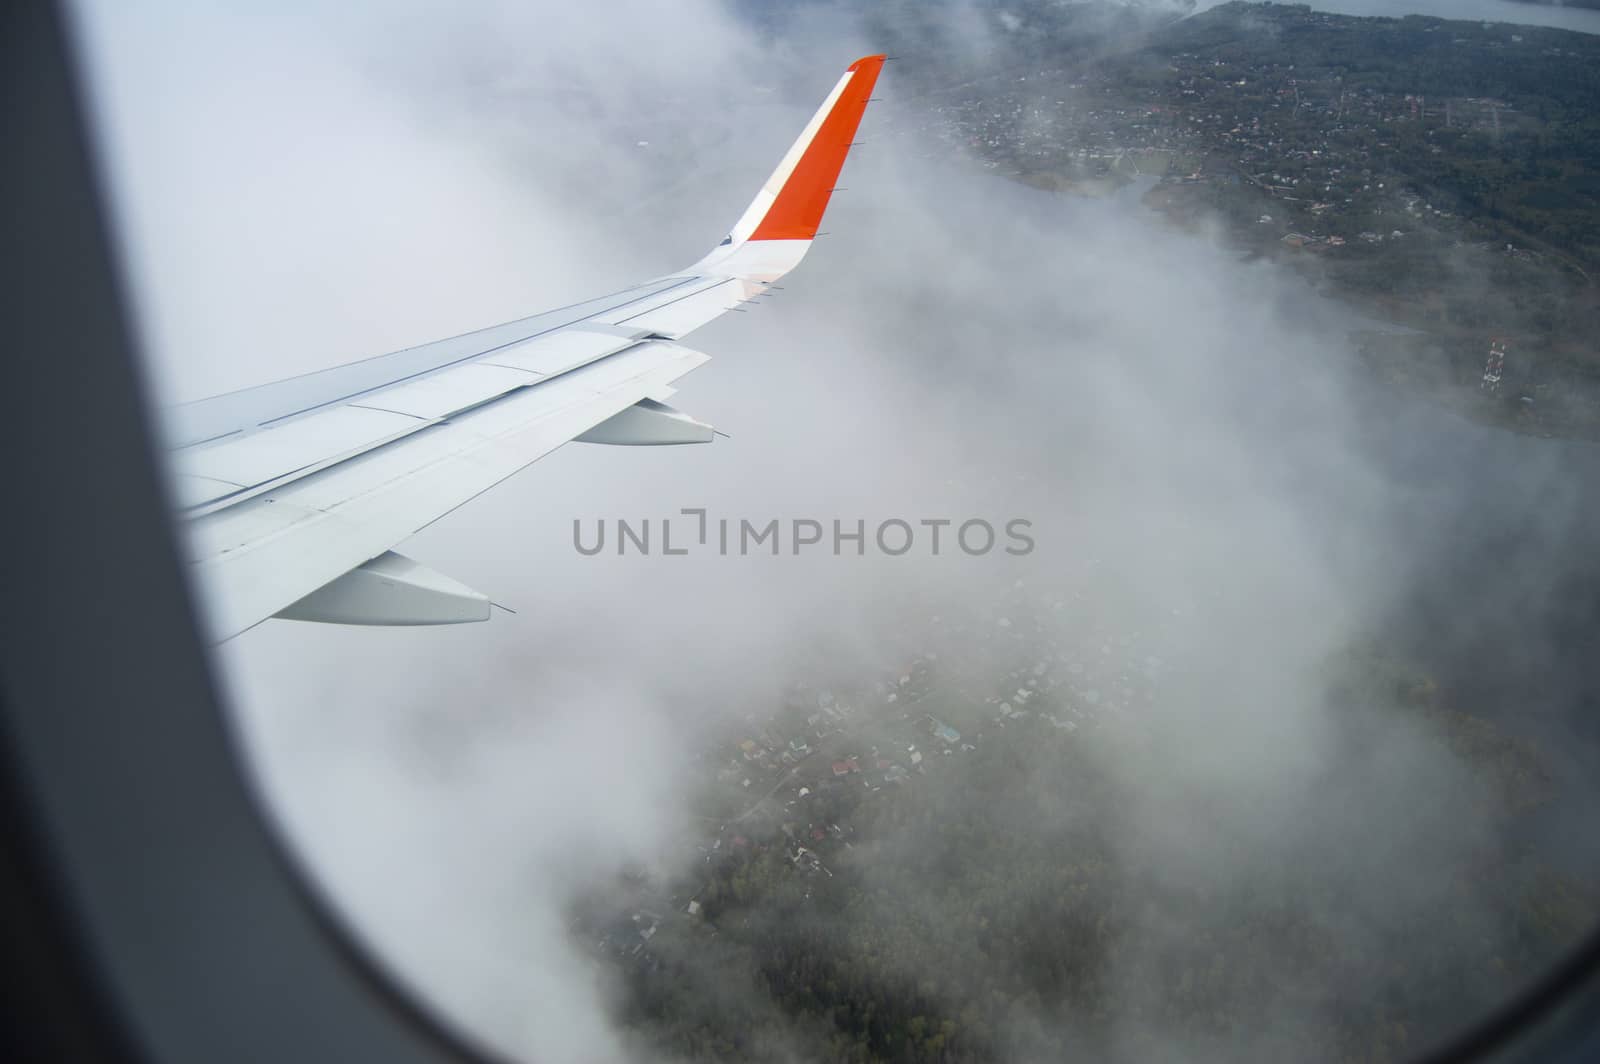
point(295, 492)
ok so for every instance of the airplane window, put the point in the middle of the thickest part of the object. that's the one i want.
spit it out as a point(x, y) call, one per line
point(1134, 593)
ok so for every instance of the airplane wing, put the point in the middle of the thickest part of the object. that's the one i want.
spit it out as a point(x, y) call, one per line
point(296, 491)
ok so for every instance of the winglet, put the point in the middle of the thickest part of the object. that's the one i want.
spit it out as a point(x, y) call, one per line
point(790, 205)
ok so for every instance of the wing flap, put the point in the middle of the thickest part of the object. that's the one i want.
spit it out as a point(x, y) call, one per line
point(291, 485)
point(257, 557)
point(221, 469)
point(442, 394)
point(555, 353)
point(208, 419)
point(684, 315)
point(321, 437)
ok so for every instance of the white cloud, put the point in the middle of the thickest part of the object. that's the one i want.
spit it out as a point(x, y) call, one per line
point(299, 189)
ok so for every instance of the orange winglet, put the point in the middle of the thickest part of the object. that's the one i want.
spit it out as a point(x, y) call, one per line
point(797, 211)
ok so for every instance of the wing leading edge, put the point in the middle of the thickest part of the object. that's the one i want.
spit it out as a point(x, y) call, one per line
point(296, 491)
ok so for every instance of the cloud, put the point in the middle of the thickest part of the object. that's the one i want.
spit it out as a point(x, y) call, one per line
point(298, 189)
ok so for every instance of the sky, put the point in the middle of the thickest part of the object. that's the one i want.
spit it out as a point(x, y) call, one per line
point(297, 188)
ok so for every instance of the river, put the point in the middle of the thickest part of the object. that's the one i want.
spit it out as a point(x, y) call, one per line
point(1565, 18)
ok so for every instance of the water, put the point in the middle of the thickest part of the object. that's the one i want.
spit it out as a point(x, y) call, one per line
point(1565, 18)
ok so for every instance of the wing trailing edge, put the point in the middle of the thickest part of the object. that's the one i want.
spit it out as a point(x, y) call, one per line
point(295, 492)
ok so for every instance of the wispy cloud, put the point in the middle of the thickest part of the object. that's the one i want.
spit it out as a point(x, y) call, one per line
point(299, 189)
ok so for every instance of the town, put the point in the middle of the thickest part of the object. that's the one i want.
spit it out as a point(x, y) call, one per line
point(787, 786)
point(1437, 175)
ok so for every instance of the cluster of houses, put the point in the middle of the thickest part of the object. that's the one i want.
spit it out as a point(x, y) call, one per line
point(881, 736)
point(627, 937)
point(1328, 150)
